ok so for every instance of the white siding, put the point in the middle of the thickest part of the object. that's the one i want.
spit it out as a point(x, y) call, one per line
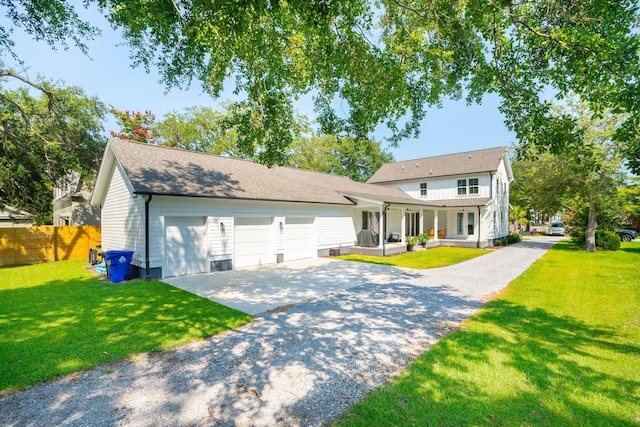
point(123, 218)
point(220, 238)
point(335, 231)
point(444, 188)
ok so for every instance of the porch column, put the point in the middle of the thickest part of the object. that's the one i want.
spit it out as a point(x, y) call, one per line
point(403, 225)
point(421, 225)
point(381, 227)
point(435, 225)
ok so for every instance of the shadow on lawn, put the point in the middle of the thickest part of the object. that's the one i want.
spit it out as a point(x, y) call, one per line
point(67, 326)
point(551, 360)
point(298, 366)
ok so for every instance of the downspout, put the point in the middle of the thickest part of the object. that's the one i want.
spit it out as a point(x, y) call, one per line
point(146, 237)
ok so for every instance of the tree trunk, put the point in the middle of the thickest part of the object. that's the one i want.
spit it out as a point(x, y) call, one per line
point(590, 233)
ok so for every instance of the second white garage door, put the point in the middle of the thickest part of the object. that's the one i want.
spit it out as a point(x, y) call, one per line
point(298, 238)
point(253, 241)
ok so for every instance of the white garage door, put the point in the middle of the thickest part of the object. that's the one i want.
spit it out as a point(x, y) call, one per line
point(185, 246)
point(298, 238)
point(253, 241)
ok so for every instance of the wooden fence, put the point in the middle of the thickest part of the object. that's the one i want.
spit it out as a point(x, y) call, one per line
point(48, 243)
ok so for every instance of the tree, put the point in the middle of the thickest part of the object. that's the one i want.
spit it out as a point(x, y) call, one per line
point(134, 125)
point(357, 159)
point(389, 61)
point(584, 178)
point(198, 129)
point(42, 139)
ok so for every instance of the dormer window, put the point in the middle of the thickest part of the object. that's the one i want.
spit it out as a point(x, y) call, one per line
point(423, 188)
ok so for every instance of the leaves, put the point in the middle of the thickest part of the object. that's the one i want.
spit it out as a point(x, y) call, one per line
point(62, 132)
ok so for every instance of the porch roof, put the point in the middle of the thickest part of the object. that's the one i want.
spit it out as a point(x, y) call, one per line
point(393, 199)
point(460, 203)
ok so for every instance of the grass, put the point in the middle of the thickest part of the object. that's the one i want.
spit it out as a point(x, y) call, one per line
point(431, 258)
point(560, 346)
point(58, 318)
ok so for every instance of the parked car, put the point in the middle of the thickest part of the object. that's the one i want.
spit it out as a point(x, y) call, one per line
point(627, 234)
point(556, 229)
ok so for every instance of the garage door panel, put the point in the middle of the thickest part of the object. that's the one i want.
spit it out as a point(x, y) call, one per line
point(185, 246)
point(298, 238)
point(253, 241)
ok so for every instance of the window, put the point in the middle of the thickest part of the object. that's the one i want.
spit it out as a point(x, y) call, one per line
point(423, 188)
point(365, 220)
point(470, 223)
point(473, 185)
point(473, 188)
point(460, 223)
point(462, 187)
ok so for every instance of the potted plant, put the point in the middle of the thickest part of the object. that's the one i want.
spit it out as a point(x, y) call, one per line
point(423, 239)
point(411, 242)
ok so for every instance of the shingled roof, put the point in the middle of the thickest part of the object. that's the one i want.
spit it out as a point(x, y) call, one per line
point(166, 171)
point(469, 162)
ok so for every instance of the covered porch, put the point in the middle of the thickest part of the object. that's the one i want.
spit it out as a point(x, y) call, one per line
point(382, 228)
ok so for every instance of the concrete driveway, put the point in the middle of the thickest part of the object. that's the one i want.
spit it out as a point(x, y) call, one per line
point(259, 289)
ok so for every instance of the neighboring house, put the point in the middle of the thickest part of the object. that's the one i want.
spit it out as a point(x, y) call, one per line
point(11, 217)
point(184, 212)
point(471, 191)
point(72, 203)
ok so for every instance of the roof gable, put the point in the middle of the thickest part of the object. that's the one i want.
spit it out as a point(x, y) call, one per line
point(469, 162)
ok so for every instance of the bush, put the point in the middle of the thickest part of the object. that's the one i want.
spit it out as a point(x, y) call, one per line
point(513, 238)
point(605, 240)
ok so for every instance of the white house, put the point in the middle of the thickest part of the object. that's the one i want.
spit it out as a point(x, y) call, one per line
point(471, 191)
point(184, 212)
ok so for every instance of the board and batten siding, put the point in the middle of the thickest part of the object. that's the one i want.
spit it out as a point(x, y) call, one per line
point(123, 218)
point(445, 188)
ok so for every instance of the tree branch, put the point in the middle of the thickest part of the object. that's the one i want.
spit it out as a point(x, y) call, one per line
point(47, 92)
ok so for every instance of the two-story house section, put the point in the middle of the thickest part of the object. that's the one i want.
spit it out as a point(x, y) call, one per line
point(71, 202)
point(470, 190)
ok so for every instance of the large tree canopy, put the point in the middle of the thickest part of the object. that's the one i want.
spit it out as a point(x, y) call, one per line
point(388, 61)
point(372, 62)
point(42, 138)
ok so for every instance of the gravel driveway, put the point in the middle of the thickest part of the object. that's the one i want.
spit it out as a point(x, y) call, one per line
point(297, 367)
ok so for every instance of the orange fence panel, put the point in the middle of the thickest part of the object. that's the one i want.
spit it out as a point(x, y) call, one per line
point(47, 243)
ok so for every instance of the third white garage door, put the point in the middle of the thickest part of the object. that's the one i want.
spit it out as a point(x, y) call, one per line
point(253, 238)
point(298, 238)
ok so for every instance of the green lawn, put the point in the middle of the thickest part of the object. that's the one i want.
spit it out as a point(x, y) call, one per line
point(57, 318)
point(560, 346)
point(440, 256)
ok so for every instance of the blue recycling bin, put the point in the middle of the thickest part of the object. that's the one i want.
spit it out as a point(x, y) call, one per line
point(118, 264)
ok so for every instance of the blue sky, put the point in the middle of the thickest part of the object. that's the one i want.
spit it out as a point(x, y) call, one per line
point(108, 75)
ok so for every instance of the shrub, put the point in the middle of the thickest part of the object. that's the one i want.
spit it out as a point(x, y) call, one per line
point(605, 240)
point(513, 238)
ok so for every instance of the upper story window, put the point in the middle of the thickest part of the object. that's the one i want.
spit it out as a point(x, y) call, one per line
point(423, 188)
point(462, 187)
point(473, 185)
point(472, 188)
